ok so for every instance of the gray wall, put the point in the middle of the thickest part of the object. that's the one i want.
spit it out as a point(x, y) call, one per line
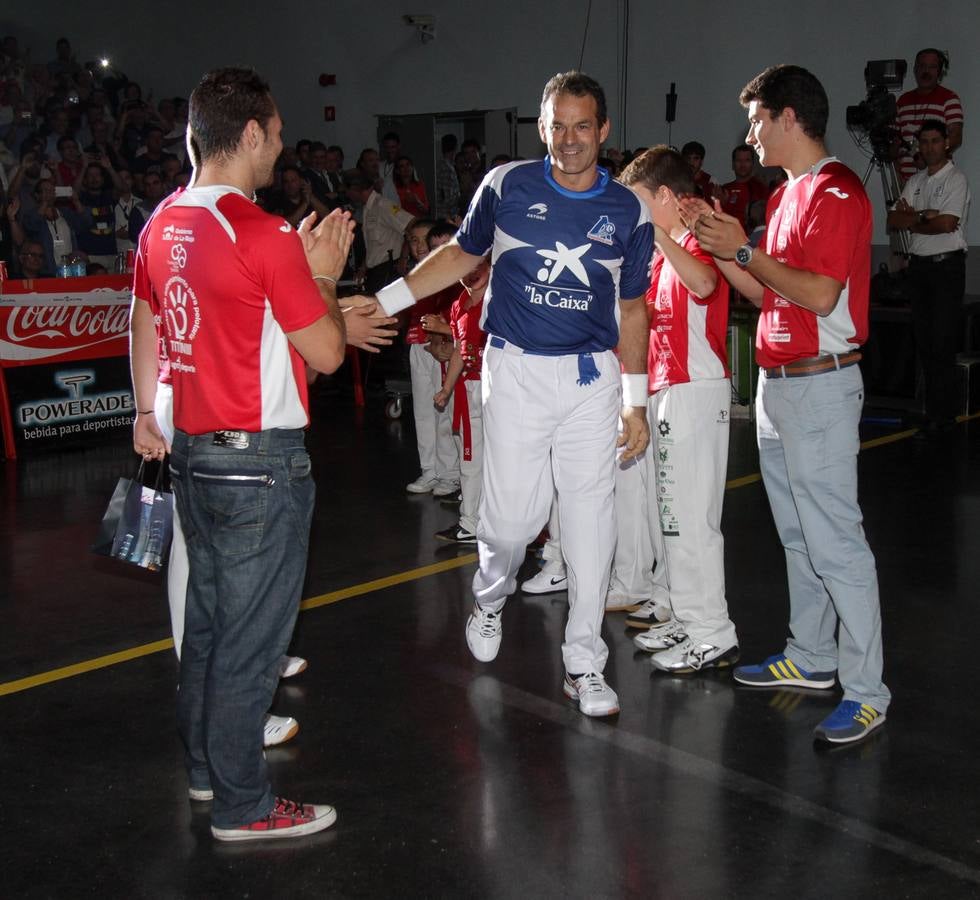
point(488, 60)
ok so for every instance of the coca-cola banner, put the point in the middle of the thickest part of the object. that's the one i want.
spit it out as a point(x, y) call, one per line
point(64, 346)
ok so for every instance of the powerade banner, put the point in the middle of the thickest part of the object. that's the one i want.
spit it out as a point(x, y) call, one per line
point(70, 404)
point(64, 346)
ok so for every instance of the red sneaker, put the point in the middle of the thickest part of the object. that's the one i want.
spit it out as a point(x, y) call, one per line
point(287, 819)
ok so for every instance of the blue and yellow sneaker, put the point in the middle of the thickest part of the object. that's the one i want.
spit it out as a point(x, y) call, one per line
point(851, 721)
point(779, 671)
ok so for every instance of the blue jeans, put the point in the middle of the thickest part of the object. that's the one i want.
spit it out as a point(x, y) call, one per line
point(246, 513)
point(808, 446)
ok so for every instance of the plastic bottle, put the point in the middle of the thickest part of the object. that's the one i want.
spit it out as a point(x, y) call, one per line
point(64, 268)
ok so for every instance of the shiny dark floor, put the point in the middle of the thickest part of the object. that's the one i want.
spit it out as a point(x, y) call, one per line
point(457, 779)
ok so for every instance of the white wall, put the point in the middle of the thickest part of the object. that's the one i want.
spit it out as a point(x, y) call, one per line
point(500, 54)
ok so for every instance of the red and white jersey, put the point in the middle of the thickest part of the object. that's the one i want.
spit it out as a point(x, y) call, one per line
point(914, 108)
point(687, 334)
point(437, 304)
point(819, 222)
point(227, 281)
point(737, 196)
point(468, 336)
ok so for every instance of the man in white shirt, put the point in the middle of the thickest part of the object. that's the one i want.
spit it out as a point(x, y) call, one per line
point(933, 208)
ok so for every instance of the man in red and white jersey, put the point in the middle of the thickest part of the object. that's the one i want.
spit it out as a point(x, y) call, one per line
point(810, 277)
point(232, 304)
point(928, 100)
point(690, 398)
point(745, 196)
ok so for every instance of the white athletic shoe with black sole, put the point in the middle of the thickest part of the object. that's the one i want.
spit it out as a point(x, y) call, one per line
point(649, 614)
point(691, 656)
point(484, 632)
point(661, 637)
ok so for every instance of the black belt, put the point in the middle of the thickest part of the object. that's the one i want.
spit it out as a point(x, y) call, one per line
point(814, 365)
point(939, 257)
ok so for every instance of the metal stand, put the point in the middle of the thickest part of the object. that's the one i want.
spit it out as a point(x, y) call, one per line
point(891, 188)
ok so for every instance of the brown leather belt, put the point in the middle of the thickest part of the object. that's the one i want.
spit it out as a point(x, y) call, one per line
point(814, 365)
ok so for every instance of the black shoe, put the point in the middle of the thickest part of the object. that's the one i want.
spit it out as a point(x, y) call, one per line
point(455, 535)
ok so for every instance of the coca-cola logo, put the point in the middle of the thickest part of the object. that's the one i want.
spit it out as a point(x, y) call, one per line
point(28, 323)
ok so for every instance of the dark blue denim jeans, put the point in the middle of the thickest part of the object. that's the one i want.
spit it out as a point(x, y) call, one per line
point(245, 503)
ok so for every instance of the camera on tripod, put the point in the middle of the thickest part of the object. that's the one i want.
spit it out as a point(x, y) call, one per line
point(873, 119)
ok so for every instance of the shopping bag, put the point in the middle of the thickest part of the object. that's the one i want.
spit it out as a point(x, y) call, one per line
point(138, 523)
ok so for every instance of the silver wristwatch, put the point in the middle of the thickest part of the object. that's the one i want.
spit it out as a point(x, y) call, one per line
point(743, 255)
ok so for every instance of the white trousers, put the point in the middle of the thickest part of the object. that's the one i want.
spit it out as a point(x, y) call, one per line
point(639, 542)
point(471, 470)
point(178, 567)
point(433, 429)
point(543, 431)
point(690, 424)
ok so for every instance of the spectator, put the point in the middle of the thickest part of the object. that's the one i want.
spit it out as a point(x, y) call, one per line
point(131, 129)
point(390, 151)
point(745, 197)
point(70, 165)
point(694, 153)
point(411, 189)
point(447, 182)
point(383, 227)
point(928, 100)
point(470, 171)
point(369, 166)
point(64, 62)
point(153, 192)
point(102, 145)
point(297, 199)
point(123, 209)
point(55, 128)
point(154, 157)
point(98, 240)
point(55, 229)
point(30, 260)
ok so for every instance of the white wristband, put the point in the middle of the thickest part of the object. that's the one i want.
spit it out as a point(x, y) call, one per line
point(634, 390)
point(395, 297)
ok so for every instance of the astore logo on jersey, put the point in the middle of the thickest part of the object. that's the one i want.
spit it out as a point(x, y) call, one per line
point(538, 211)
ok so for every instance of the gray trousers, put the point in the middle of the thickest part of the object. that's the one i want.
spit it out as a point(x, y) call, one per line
point(808, 444)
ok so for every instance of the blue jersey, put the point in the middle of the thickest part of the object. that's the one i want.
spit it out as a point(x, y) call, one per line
point(561, 259)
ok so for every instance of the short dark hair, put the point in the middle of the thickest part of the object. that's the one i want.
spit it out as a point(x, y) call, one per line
point(448, 142)
point(695, 147)
point(933, 125)
point(470, 142)
point(578, 84)
point(742, 148)
point(442, 228)
point(66, 139)
point(303, 142)
point(427, 224)
point(223, 104)
point(336, 148)
point(355, 181)
point(391, 136)
point(779, 87)
point(661, 165)
point(317, 145)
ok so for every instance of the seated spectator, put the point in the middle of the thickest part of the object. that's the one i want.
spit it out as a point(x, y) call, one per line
point(123, 209)
point(411, 189)
point(64, 62)
point(55, 128)
point(69, 166)
point(369, 166)
point(55, 229)
point(131, 129)
point(98, 240)
point(296, 199)
point(152, 157)
point(153, 192)
point(30, 260)
point(24, 178)
point(171, 171)
point(102, 144)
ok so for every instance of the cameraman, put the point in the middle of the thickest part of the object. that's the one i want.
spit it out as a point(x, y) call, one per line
point(933, 209)
point(929, 100)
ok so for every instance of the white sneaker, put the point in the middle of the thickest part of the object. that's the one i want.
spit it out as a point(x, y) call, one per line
point(445, 488)
point(594, 696)
point(291, 665)
point(483, 633)
point(650, 613)
point(621, 603)
point(422, 485)
point(551, 578)
point(278, 730)
point(693, 656)
point(661, 637)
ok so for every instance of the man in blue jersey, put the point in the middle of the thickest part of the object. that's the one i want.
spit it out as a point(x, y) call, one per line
point(571, 251)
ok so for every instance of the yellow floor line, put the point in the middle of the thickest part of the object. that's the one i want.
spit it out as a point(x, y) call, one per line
point(112, 659)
